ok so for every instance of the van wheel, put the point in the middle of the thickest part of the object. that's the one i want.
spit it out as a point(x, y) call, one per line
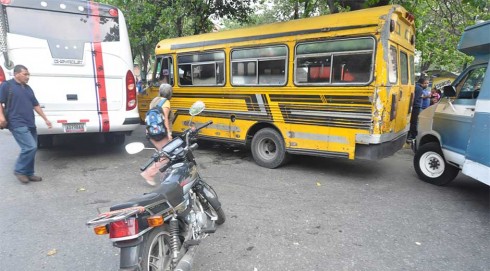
point(268, 148)
point(430, 165)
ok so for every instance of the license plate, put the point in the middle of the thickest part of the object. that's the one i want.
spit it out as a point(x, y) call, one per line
point(74, 127)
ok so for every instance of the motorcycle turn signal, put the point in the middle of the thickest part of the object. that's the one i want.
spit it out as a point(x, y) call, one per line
point(101, 230)
point(155, 221)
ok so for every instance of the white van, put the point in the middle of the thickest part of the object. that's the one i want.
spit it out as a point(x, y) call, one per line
point(454, 134)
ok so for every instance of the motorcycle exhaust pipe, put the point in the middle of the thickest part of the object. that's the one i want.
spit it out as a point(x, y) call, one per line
point(185, 264)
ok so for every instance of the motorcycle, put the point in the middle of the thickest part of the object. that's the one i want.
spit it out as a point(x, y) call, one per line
point(161, 230)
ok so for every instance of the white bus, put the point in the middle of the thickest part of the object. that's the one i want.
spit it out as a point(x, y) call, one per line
point(80, 62)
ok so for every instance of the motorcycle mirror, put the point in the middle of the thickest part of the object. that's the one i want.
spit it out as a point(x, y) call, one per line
point(197, 108)
point(134, 147)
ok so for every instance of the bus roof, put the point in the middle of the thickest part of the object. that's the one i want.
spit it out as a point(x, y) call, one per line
point(475, 40)
point(331, 22)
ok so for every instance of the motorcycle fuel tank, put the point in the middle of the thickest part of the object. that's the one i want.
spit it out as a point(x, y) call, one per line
point(177, 181)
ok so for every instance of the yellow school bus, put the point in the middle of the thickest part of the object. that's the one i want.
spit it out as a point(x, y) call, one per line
point(338, 85)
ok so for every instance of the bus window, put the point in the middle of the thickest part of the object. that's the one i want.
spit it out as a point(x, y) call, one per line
point(393, 65)
point(412, 69)
point(404, 67)
point(164, 72)
point(201, 69)
point(334, 61)
point(259, 66)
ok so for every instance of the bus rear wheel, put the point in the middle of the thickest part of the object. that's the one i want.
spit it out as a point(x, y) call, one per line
point(116, 139)
point(268, 148)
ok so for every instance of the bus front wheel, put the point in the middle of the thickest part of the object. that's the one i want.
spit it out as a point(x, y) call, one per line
point(268, 148)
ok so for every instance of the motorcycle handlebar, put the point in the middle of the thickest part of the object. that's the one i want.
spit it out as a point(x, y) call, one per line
point(188, 132)
point(149, 162)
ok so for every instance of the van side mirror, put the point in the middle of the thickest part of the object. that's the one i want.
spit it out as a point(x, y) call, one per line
point(449, 91)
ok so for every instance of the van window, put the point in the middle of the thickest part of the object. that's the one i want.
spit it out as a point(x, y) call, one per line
point(469, 87)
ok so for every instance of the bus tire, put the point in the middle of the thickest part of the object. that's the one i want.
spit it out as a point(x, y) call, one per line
point(268, 148)
point(116, 139)
point(431, 167)
point(44, 141)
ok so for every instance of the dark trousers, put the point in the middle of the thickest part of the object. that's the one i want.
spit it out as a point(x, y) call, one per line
point(414, 119)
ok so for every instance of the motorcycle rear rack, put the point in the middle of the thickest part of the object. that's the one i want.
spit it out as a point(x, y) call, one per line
point(112, 216)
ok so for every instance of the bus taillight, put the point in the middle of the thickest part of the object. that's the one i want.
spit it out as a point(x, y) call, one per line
point(130, 91)
point(113, 12)
point(2, 74)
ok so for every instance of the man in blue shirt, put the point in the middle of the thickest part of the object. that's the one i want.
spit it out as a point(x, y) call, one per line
point(21, 122)
point(422, 84)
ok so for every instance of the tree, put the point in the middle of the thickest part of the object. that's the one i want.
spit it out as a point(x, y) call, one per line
point(438, 23)
point(150, 21)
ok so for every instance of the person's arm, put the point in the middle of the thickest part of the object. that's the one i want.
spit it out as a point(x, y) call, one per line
point(166, 113)
point(3, 99)
point(39, 110)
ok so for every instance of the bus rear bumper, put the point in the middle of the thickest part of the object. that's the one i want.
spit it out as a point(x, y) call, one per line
point(381, 150)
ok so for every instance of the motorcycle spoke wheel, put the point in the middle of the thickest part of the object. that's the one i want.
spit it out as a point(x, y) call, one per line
point(157, 253)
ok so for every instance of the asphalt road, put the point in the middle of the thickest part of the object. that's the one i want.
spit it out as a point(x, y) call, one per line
point(312, 214)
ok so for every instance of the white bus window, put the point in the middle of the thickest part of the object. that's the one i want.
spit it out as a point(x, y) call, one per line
point(259, 66)
point(63, 42)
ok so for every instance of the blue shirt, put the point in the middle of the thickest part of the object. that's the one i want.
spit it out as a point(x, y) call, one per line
point(417, 99)
point(426, 101)
point(21, 104)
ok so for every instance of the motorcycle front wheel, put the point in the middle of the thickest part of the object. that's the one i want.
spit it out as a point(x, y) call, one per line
point(210, 201)
point(156, 252)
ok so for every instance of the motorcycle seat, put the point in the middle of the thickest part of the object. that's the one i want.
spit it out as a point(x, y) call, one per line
point(142, 200)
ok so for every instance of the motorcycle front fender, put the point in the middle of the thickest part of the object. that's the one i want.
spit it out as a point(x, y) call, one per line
point(129, 259)
point(209, 194)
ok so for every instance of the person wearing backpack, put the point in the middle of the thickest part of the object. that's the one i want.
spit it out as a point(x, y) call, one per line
point(158, 133)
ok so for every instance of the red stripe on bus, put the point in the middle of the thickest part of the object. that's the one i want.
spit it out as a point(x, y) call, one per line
point(84, 120)
point(62, 121)
point(99, 70)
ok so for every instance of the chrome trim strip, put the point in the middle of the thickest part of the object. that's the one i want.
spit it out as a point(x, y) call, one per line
point(318, 137)
point(379, 138)
point(332, 114)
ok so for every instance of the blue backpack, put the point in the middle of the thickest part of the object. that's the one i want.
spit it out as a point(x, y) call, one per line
point(155, 122)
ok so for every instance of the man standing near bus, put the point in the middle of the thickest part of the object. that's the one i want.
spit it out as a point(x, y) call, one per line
point(21, 122)
point(422, 84)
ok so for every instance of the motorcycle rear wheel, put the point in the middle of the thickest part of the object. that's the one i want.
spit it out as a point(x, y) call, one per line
point(156, 252)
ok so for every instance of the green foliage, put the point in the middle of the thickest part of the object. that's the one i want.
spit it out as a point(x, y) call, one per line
point(439, 23)
point(150, 21)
